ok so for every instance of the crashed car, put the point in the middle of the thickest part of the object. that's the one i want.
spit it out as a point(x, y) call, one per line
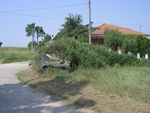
point(51, 60)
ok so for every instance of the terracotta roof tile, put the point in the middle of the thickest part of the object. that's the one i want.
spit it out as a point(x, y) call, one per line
point(102, 28)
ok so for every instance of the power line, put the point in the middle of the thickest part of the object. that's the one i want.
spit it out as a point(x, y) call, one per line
point(46, 8)
point(81, 9)
point(145, 27)
point(30, 15)
point(4, 12)
point(10, 28)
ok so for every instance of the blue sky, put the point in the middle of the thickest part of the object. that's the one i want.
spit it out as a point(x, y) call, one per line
point(50, 14)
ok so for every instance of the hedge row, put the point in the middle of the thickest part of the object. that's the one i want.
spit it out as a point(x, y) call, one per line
point(90, 55)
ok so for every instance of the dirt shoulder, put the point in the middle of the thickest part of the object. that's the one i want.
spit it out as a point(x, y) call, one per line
point(83, 97)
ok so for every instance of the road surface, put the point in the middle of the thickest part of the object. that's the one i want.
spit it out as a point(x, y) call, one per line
point(18, 98)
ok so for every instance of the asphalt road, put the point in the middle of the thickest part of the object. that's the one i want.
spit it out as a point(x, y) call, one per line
point(18, 98)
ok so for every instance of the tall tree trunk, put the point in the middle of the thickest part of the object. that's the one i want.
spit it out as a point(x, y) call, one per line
point(37, 39)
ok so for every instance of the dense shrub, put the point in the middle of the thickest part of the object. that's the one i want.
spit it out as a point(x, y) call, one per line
point(113, 39)
point(127, 42)
point(136, 44)
point(89, 55)
point(34, 45)
point(143, 45)
point(82, 39)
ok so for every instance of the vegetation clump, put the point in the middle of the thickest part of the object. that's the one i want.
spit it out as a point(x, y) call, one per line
point(114, 39)
point(90, 55)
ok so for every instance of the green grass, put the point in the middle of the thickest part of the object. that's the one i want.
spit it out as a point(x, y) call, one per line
point(130, 82)
point(15, 54)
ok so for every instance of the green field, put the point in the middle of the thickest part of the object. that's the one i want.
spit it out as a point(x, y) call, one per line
point(15, 54)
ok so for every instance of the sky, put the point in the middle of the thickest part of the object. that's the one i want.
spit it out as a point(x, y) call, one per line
point(51, 14)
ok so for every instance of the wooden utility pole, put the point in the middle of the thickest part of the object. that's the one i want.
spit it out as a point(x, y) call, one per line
point(89, 21)
point(140, 29)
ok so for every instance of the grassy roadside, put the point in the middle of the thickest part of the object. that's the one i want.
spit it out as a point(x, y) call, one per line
point(92, 88)
point(15, 54)
point(132, 82)
point(105, 90)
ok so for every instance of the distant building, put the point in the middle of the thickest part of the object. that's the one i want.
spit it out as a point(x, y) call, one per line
point(97, 37)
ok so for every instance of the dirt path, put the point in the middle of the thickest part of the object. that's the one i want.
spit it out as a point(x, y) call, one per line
point(17, 98)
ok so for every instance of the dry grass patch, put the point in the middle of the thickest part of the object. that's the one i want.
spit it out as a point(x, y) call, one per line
point(82, 93)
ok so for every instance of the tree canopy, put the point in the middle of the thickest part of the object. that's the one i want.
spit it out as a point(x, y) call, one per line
point(39, 32)
point(112, 39)
point(31, 29)
point(127, 42)
point(73, 27)
point(47, 37)
point(34, 44)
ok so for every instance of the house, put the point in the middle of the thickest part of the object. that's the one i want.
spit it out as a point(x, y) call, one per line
point(97, 37)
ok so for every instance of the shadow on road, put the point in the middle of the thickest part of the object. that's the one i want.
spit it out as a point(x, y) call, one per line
point(62, 90)
point(17, 98)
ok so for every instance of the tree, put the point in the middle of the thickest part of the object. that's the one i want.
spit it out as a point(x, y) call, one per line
point(31, 29)
point(39, 32)
point(142, 45)
point(30, 45)
point(47, 37)
point(1, 44)
point(60, 34)
point(129, 43)
point(113, 39)
point(73, 27)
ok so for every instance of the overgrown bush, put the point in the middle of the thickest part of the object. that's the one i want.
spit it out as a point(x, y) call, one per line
point(113, 39)
point(127, 42)
point(34, 45)
point(89, 55)
point(143, 45)
point(82, 39)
